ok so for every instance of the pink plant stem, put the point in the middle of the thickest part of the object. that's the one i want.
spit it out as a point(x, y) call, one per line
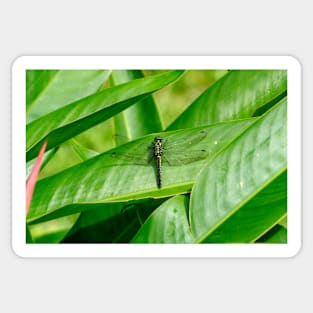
point(32, 179)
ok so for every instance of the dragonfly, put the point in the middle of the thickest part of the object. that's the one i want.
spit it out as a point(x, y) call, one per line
point(177, 152)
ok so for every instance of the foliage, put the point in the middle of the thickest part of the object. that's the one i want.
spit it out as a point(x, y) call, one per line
point(237, 193)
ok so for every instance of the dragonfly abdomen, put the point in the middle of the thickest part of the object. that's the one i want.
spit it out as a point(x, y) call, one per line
point(159, 175)
point(158, 150)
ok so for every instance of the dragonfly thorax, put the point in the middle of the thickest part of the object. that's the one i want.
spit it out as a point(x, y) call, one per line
point(158, 146)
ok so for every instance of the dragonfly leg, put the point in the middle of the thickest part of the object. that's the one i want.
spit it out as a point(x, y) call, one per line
point(166, 160)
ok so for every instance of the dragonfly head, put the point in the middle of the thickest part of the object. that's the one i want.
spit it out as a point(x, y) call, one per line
point(158, 139)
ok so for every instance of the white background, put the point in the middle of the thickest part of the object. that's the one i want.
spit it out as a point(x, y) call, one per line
point(155, 28)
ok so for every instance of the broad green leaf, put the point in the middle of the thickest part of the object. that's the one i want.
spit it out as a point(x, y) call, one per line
point(244, 168)
point(95, 226)
point(48, 90)
point(278, 234)
point(36, 82)
point(29, 238)
point(167, 224)
point(46, 158)
point(52, 231)
point(283, 222)
point(82, 152)
point(107, 210)
point(174, 99)
point(237, 94)
point(141, 118)
point(106, 178)
point(68, 121)
point(256, 217)
point(68, 154)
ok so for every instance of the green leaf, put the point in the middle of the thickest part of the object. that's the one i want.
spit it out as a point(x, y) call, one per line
point(278, 234)
point(36, 82)
point(48, 90)
point(237, 94)
point(244, 168)
point(141, 118)
point(68, 121)
point(82, 152)
point(52, 231)
point(256, 217)
point(167, 224)
point(96, 226)
point(105, 178)
point(283, 222)
point(46, 158)
point(29, 238)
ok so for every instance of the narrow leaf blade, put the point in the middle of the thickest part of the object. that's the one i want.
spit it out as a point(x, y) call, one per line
point(68, 121)
point(141, 118)
point(236, 95)
point(49, 90)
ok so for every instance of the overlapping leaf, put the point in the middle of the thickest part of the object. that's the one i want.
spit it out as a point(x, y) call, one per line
point(129, 123)
point(49, 90)
point(239, 196)
point(68, 121)
point(105, 178)
point(236, 175)
point(167, 224)
point(238, 94)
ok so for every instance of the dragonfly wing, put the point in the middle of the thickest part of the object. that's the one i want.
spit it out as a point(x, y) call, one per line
point(186, 157)
point(186, 142)
point(124, 157)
